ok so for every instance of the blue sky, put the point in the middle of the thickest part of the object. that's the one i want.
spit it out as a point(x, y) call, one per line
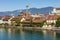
point(9, 5)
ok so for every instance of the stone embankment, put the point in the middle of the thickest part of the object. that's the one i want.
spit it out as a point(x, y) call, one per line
point(33, 28)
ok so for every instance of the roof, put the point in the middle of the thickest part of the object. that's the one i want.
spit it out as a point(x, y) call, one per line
point(52, 17)
point(57, 8)
point(27, 19)
point(16, 18)
point(35, 15)
point(39, 19)
point(6, 18)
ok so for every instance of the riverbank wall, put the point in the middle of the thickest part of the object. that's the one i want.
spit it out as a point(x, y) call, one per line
point(32, 28)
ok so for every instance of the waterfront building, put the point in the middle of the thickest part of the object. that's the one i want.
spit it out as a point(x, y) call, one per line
point(51, 19)
point(15, 20)
point(5, 19)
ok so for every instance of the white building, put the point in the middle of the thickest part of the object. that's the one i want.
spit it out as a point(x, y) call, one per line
point(1, 21)
point(51, 19)
point(6, 19)
point(56, 10)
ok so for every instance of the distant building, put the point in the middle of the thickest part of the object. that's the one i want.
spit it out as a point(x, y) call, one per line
point(56, 10)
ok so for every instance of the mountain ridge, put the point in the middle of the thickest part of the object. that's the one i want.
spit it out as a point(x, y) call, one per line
point(31, 10)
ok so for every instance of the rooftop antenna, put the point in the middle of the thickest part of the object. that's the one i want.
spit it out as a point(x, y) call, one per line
point(27, 6)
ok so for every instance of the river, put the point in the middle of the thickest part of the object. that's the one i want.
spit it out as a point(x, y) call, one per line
point(13, 34)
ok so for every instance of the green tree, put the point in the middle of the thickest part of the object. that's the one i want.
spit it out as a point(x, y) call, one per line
point(17, 22)
point(58, 22)
point(13, 23)
point(6, 25)
point(31, 23)
point(41, 24)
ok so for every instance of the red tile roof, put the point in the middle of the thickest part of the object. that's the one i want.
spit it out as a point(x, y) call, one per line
point(16, 18)
point(57, 8)
point(39, 19)
point(52, 17)
point(6, 18)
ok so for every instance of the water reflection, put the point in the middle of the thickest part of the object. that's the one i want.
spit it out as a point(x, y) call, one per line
point(1, 33)
point(49, 35)
point(58, 36)
point(19, 34)
point(22, 37)
point(28, 35)
point(9, 33)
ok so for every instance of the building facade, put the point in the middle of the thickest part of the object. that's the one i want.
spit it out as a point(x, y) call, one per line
point(56, 10)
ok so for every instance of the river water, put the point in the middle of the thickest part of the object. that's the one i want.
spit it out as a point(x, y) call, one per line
point(13, 34)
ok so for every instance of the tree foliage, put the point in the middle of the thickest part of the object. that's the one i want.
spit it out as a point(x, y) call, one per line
point(52, 24)
point(6, 24)
point(41, 24)
point(58, 22)
point(17, 22)
point(31, 23)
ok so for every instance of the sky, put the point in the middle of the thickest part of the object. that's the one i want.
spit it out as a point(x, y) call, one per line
point(10, 5)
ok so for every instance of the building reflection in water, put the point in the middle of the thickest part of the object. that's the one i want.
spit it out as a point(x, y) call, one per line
point(12, 35)
point(9, 33)
point(2, 33)
point(22, 37)
point(28, 35)
point(49, 35)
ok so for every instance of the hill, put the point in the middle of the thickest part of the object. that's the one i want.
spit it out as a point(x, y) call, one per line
point(31, 10)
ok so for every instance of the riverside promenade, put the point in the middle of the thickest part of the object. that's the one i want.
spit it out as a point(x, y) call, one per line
point(32, 28)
